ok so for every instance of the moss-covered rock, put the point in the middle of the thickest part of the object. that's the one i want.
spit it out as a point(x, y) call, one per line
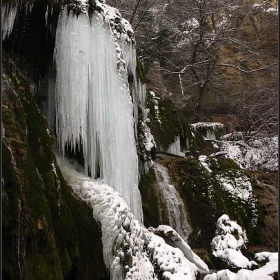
point(150, 199)
point(206, 197)
point(166, 123)
point(47, 231)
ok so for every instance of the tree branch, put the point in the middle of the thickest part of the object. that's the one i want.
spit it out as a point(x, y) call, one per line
point(134, 11)
point(243, 70)
point(144, 14)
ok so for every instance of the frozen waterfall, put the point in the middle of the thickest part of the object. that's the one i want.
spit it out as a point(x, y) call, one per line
point(175, 147)
point(94, 110)
point(175, 206)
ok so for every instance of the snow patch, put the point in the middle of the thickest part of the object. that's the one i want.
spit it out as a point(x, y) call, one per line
point(258, 154)
point(229, 240)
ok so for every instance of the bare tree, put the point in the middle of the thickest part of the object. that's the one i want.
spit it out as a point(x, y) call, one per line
point(214, 46)
point(258, 112)
point(214, 32)
point(204, 48)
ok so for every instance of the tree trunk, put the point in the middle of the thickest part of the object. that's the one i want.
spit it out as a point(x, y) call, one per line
point(199, 105)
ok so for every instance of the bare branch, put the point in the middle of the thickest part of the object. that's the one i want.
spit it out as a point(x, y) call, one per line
point(243, 70)
point(135, 27)
point(134, 11)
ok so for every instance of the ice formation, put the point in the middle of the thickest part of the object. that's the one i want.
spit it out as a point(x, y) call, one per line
point(8, 18)
point(265, 272)
point(175, 147)
point(208, 129)
point(130, 250)
point(94, 111)
point(174, 205)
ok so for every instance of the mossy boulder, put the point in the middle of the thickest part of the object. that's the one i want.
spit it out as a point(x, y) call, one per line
point(167, 122)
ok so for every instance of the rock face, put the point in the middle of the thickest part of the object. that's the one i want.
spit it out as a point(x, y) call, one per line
point(206, 197)
point(48, 232)
point(46, 229)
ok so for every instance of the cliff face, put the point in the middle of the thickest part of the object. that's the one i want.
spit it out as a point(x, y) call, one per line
point(48, 232)
point(46, 229)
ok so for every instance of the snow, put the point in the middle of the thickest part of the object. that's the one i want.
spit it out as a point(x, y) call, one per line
point(271, 266)
point(182, 245)
point(155, 101)
point(93, 103)
point(175, 206)
point(229, 240)
point(210, 125)
point(240, 186)
point(124, 237)
point(272, 10)
point(205, 162)
point(260, 153)
point(121, 28)
point(263, 272)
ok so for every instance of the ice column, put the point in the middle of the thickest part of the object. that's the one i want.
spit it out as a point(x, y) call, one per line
point(93, 104)
point(175, 147)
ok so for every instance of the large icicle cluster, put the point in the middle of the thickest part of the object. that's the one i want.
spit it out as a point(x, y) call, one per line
point(94, 110)
point(130, 250)
point(175, 147)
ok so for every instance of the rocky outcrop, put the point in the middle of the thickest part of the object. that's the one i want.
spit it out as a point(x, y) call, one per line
point(206, 198)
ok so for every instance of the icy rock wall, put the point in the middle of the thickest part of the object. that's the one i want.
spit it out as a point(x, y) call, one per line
point(93, 103)
point(175, 207)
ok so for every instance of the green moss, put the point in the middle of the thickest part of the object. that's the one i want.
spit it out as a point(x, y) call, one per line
point(206, 199)
point(150, 199)
point(57, 241)
point(166, 122)
point(221, 164)
point(140, 70)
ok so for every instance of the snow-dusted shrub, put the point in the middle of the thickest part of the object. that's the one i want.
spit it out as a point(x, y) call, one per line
point(229, 240)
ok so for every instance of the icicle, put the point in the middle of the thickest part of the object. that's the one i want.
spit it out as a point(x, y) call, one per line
point(175, 147)
point(94, 105)
point(210, 134)
point(46, 15)
point(8, 18)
